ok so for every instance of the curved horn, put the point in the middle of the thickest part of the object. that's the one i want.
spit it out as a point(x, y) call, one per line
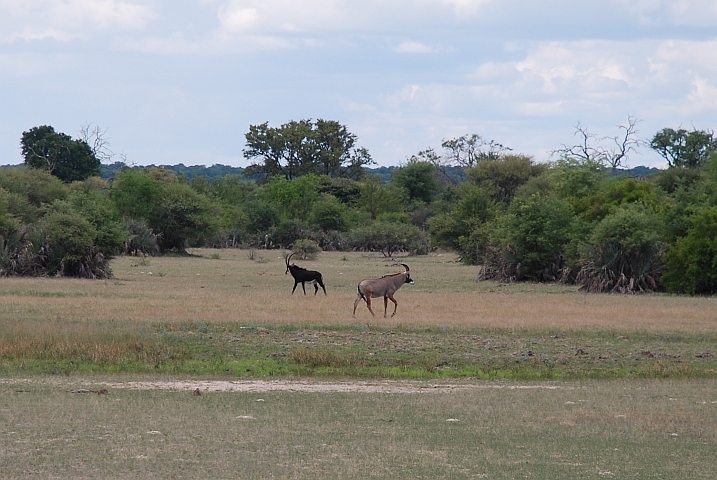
point(288, 258)
point(406, 267)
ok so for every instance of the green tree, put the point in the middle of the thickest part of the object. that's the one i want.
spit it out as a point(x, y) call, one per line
point(292, 198)
point(418, 179)
point(376, 198)
point(30, 191)
point(504, 175)
point(462, 228)
point(181, 217)
point(467, 150)
point(261, 216)
point(71, 244)
point(329, 214)
point(682, 148)
point(58, 154)
point(614, 193)
point(575, 178)
point(305, 147)
point(9, 223)
point(691, 263)
point(531, 240)
point(101, 212)
point(136, 193)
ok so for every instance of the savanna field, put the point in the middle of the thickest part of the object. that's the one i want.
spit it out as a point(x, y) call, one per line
point(469, 380)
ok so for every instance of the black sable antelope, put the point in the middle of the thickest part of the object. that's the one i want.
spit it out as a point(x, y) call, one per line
point(384, 287)
point(302, 275)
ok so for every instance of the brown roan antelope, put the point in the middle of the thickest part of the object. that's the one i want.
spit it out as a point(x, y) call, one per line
point(302, 275)
point(384, 287)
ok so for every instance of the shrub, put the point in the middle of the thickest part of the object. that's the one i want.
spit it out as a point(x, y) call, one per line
point(306, 249)
point(387, 238)
point(72, 247)
point(691, 264)
point(142, 240)
point(329, 214)
point(531, 239)
point(624, 253)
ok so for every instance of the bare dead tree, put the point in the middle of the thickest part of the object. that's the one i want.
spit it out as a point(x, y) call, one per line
point(583, 150)
point(625, 143)
point(95, 138)
point(590, 147)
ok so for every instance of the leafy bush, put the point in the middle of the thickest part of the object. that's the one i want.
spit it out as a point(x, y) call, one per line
point(142, 240)
point(531, 240)
point(72, 249)
point(182, 217)
point(387, 238)
point(502, 176)
point(462, 228)
point(691, 264)
point(624, 254)
point(329, 214)
point(306, 249)
point(615, 193)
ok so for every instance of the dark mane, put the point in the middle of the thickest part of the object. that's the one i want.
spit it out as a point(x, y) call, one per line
point(393, 274)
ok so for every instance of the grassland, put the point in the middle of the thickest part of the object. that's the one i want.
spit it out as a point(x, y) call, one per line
point(477, 379)
point(228, 312)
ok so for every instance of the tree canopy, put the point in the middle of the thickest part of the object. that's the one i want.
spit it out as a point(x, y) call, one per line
point(324, 147)
point(57, 153)
point(684, 149)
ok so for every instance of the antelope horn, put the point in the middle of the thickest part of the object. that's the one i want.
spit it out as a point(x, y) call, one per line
point(288, 258)
point(405, 266)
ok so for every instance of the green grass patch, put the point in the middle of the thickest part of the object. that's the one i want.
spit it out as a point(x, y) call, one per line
point(365, 352)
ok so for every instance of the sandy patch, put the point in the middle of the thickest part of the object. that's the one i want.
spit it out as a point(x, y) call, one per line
point(258, 386)
point(303, 386)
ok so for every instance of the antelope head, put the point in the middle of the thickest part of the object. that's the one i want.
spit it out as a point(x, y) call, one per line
point(408, 274)
point(287, 263)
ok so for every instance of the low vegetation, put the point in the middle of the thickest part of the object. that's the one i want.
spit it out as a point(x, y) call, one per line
point(506, 380)
point(234, 315)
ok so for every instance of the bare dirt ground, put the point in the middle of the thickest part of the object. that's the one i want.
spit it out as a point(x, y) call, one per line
point(283, 385)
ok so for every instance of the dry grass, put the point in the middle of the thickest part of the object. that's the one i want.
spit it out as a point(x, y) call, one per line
point(633, 429)
point(219, 308)
point(234, 288)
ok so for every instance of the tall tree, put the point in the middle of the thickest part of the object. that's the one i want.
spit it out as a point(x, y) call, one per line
point(324, 147)
point(467, 150)
point(593, 148)
point(418, 179)
point(683, 149)
point(57, 153)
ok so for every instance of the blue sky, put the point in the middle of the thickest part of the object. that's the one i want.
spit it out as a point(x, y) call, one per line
point(180, 81)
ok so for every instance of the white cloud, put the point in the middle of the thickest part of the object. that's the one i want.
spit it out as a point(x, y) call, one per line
point(466, 7)
point(703, 97)
point(695, 13)
point(414, 47)
point(66, 19)
point(30, 65)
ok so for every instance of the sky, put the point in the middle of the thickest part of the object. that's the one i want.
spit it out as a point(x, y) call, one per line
point(181, 81)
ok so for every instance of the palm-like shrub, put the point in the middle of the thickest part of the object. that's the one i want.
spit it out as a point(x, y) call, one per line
point(624, 254)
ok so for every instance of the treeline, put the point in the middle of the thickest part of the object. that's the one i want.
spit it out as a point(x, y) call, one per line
point(576, 219)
